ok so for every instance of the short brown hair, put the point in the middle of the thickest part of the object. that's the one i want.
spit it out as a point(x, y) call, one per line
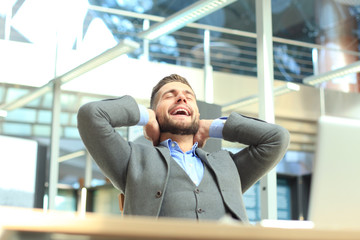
point(162, 82)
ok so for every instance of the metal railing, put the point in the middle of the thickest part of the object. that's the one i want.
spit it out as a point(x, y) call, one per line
point(231, 51)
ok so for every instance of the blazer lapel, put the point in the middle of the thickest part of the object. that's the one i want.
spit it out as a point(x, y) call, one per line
point(204, 157)
point(165, 152)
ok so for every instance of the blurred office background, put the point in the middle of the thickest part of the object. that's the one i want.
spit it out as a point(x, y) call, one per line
point(43, 81)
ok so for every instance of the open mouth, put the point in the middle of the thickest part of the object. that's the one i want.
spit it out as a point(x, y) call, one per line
point(181, 111)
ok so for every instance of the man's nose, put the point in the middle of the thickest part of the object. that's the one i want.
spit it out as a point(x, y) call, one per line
point(181, 98)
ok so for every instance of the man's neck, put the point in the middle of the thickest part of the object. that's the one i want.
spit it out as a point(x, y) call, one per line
point(185, 142)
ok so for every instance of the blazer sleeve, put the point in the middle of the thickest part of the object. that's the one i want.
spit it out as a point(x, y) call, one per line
point(266, 146)
point(96, 124)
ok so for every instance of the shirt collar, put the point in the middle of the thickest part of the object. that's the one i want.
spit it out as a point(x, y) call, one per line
point(173, 146)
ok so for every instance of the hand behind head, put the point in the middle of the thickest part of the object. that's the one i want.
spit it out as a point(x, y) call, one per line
point(152, 129)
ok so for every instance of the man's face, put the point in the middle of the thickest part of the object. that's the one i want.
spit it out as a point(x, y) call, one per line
point(176, 109)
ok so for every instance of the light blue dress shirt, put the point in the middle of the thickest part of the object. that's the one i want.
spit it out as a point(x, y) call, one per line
point(189, 161)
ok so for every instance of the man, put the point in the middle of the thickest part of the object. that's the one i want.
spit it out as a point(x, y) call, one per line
point(174, 177)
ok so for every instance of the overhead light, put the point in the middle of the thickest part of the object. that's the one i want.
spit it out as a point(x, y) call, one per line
point(252, 99)
point(288, 87)
point(178, 20)
point(27, 97)
point(71, 156)
point(323, 77)
point(123, 47)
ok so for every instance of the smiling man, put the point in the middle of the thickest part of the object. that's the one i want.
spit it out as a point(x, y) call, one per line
point(174, 177)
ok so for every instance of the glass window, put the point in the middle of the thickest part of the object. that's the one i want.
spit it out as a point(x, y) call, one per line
point(42, 130)
point(68, 101)
point(44, 116)
point(86, 99)
point(22, 115)
point(73, 120)
point(47, 100)
point(283, 200)
point(34, 103)
point(64, 118)
point(252, 203)
point(15, 93)
point(71, 132)
point(17, 129)
point(253, 206)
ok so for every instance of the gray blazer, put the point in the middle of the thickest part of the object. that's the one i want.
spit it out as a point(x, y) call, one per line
point(141, 171)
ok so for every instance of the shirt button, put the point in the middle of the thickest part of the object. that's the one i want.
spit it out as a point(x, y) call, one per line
point(173, 144)
point(158, 194)
point(199, 210)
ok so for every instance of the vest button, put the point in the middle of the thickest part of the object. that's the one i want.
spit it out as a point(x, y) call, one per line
point(199, 210)
point(158, 194)
point(197, 190)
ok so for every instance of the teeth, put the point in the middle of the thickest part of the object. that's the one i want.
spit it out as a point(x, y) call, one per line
point(181, 110)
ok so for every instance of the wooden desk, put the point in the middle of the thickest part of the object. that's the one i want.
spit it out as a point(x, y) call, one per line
point(35, 224)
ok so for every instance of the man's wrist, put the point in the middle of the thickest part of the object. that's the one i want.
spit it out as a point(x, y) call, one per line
point(216, 127)
point(144, 115)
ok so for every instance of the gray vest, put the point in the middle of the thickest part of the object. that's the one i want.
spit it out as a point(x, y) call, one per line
point(183, 199)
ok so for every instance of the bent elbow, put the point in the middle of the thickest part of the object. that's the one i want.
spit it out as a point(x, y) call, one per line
point(280, 143)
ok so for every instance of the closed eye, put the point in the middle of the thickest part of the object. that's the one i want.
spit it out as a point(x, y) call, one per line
point(168, 95)
point(189, 97)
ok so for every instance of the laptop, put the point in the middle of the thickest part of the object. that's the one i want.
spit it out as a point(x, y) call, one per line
point(335, 185)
